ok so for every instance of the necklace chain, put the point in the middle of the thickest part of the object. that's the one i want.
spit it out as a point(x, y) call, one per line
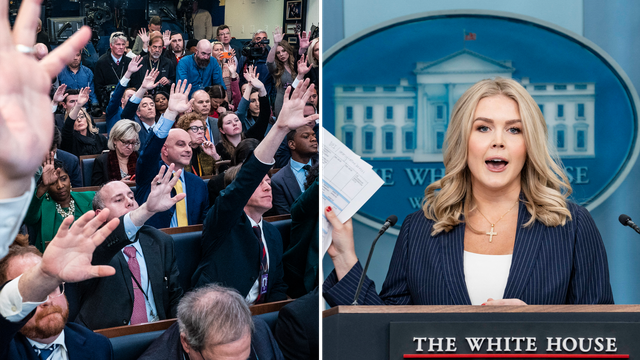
point(490, 232)
point(65, 214)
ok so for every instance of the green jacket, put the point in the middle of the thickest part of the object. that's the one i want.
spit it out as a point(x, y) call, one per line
point(43, 216)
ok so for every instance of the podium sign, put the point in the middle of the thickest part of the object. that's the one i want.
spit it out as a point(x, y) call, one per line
point(474, 332)
point(520, 339)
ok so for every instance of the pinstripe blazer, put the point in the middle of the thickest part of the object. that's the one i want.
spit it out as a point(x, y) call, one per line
point(551, 265)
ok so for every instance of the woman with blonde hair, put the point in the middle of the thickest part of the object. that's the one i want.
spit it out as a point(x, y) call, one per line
point(120, 162)
point(498, 225)
point(79, 136)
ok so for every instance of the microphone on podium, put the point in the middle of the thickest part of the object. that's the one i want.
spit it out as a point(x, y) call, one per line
point(391, 220)
point(626, 221)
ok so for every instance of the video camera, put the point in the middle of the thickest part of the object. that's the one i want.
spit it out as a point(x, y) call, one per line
point(252, 50)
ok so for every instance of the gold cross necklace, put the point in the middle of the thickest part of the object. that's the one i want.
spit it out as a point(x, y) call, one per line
point(490, 232)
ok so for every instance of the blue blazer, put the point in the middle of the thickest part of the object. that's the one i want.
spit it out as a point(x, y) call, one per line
point(81, 342)
point(551, 265)
point(114, 111)
point(285, 190)
point(147, 168)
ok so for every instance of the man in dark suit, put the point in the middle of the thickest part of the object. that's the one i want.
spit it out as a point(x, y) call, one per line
point(35, 325)
point(114, 301)
point(298, 328)
point(214, 321)
point(288, 183)
point(239, 249)
point(110, 68)
point(167, 146)
point(142, 109)
point(154, 60)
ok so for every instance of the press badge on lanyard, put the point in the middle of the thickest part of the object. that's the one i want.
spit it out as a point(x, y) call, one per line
point(264, 280)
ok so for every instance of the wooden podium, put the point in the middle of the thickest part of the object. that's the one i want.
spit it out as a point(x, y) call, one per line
point(482, 332)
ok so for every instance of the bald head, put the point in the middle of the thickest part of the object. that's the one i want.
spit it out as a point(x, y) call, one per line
point(203, 53)
point(177, 149)
point(201, 102)
point(40, 51)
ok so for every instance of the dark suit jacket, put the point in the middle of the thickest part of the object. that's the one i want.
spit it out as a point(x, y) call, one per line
point(71, 162)
point(230, 250)
point(297, 330)
point(129, 112)
point(81, 343)
point(168, 346)
point(149, 164)
point(551, 265)
point(166, 68)
point(108, 73)
point(108, 302)
point(285, 190)
point(300, 259)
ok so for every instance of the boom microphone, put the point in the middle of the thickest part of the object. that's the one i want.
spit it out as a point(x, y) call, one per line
point(626, 221)
point(391, 220)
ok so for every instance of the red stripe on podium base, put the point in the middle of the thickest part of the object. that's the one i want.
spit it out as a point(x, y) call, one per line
point(514, 356)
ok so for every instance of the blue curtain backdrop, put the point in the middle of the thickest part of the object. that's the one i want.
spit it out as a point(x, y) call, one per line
point(613, 26)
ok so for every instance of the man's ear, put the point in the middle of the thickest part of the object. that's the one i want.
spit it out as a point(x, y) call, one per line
point(185, 344)
point(292, 145)
point(98, 211)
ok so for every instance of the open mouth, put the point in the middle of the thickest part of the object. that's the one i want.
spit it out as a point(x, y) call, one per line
point(496, 164)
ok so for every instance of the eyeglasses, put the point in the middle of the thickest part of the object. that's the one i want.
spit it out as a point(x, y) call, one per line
point(130, 143)
point(196, 129)
point(57, 292)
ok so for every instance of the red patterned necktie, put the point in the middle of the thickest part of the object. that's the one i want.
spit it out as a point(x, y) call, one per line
point(264, 267)
point(139, 314)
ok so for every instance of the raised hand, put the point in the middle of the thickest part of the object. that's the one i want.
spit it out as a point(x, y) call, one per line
point(49, 173)
point(292, 113)
point(68, 256)
point(134, 66)
point(232, 66)
point(83, 96)
point(160, 196)
point(166, 37)
point(59, 95)
point(149, 81)
point(178, 99)
point(303, 67)
point(26, 126)
point(210, 150)
point(250, 73)
point(277, 35)
point(304, 39)
point(144, 36)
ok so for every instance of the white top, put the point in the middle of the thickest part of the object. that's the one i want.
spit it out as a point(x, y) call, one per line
point(486, 276)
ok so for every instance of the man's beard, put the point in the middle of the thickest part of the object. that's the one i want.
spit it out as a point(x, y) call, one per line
point(176, 49)
point(36, 330)
point(154, 57)
point(202, 63)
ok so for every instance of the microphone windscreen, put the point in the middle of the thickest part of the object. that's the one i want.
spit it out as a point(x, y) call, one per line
point(624, 219)
point(392, 220)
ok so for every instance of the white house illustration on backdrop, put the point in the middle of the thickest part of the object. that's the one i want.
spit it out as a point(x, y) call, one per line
point(408, 122)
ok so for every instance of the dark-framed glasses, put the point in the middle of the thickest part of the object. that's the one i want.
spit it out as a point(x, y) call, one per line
point(196, 129)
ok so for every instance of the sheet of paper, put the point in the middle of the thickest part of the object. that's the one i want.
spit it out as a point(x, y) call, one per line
point(348, 182)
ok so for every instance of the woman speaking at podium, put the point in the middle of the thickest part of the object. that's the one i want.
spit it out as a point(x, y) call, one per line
point(496, 229)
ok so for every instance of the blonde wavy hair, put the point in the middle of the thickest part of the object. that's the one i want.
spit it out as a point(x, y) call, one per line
point(543, 182)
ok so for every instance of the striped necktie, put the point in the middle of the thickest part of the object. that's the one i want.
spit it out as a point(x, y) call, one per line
point(44, 354)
